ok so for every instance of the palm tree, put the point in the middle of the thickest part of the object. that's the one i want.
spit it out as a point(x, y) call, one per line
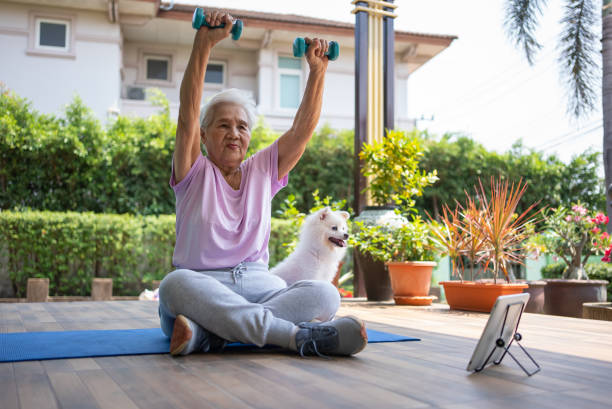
point(579, 59)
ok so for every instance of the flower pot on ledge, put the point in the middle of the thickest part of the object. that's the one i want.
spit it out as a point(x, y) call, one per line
point(410, 281)
point(537, 296)
point(375, 276)
point(477, 296)
point(374, 272)
point(565, 297)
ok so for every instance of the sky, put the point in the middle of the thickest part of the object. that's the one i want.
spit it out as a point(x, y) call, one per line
point(481, 85)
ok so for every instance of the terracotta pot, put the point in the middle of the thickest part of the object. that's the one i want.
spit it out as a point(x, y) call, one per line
point(410, 281)
point(477, 296)
point(565, 297)
point(537, 297)
point(375, 277)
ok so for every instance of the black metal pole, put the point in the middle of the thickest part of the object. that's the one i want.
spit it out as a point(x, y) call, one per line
point(361, 116)
point(389, 70)
point(361, 101)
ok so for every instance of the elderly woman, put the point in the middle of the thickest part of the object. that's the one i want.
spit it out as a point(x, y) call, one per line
point(222, 291)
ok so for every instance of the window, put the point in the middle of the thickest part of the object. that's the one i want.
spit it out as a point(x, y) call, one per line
point(290, 82)
point(52, 34)
point(215, 73)
point(157, 68)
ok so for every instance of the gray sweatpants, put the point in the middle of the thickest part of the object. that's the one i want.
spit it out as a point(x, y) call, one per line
point(245, 304)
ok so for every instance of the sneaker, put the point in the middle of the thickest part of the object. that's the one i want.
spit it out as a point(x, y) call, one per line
point(188, 337)
point(342, 336)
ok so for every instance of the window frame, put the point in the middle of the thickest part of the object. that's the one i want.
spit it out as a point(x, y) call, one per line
point(148, 57)
point(145, 54)
point(288, 71)
point(38, 45)
point(215, 85)
point(34, 46)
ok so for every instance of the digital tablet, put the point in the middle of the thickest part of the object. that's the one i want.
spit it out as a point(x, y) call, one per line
point(502, 324)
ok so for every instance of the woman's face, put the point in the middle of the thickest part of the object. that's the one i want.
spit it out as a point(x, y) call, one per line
point(227, 137)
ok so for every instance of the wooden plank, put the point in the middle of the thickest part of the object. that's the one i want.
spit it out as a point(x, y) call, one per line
point(8, 393)
point(35, 392)
point(576, 356)
point(28, 368)
point(56, 365)
point(83, 364)
point(335, 394)
point(10, 319)
point(71, 392)
point(250, 389)
point(133, 382)
point(6, 369)
point(105, 391)
point(8, 387)
point(190, 391)
point(544, 401)
point(42, 326)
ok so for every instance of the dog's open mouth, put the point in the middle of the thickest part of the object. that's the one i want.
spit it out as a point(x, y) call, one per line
point(338, 242)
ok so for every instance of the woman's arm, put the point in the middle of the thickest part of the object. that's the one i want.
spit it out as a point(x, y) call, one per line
point(187, 147)
point(291, 144)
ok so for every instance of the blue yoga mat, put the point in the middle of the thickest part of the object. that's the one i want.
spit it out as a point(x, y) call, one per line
point(34, 346)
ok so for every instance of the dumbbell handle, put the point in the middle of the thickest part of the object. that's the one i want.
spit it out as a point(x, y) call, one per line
point(199, 20)
point(300, 47)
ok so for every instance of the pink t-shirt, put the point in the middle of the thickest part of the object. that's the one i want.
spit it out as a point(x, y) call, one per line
point(219, 227)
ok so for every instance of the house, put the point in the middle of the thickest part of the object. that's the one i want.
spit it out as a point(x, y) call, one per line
point(111, 52)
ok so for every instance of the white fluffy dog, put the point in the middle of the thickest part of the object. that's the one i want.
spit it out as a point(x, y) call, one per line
point(321, 246)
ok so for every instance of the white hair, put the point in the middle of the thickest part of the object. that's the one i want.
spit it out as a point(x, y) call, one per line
point(229, 96)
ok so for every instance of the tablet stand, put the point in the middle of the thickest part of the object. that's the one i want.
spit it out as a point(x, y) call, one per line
point(500, 343)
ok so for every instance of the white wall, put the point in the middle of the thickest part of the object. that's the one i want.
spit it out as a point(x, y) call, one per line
point(100, 56)
point(50, 82)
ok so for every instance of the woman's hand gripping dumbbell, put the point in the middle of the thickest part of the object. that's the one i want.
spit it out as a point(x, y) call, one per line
point(300, 47)
point(199, 20)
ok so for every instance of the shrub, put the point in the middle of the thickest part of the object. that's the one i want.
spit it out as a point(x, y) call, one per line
point(600, 271)
point(283, 231)
point(326, 167)
point(72, 248)
point(554, 270)
point(74, 164)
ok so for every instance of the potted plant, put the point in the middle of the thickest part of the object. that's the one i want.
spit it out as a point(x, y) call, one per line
point(574, 235)
point(408, 251)
point(487, 232)
point(394, 179)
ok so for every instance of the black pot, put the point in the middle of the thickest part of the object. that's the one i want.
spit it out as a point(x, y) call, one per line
point(537, 296)
point(565, 297)
point(375, 277)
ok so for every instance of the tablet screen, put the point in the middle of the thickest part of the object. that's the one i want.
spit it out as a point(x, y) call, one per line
point(502, 324)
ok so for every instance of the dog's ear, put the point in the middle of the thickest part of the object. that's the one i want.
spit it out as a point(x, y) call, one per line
point(323, 213)
point(346, 215)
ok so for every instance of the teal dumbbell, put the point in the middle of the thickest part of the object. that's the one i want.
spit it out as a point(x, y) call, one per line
point(300, 47)
point(199, 20)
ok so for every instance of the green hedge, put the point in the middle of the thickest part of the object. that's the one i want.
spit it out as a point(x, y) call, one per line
point(74, 163)
point(553, 270)
point(71, 248)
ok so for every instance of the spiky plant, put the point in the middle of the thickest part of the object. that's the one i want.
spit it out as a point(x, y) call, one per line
point(473, 236)
point(447, 237)
point(503, 229)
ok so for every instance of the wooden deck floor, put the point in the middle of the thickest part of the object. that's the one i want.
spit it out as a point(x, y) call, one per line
point(576, 356)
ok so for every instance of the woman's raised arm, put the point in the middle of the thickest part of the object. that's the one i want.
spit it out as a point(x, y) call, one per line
point(291, 144)
point(187, 147)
